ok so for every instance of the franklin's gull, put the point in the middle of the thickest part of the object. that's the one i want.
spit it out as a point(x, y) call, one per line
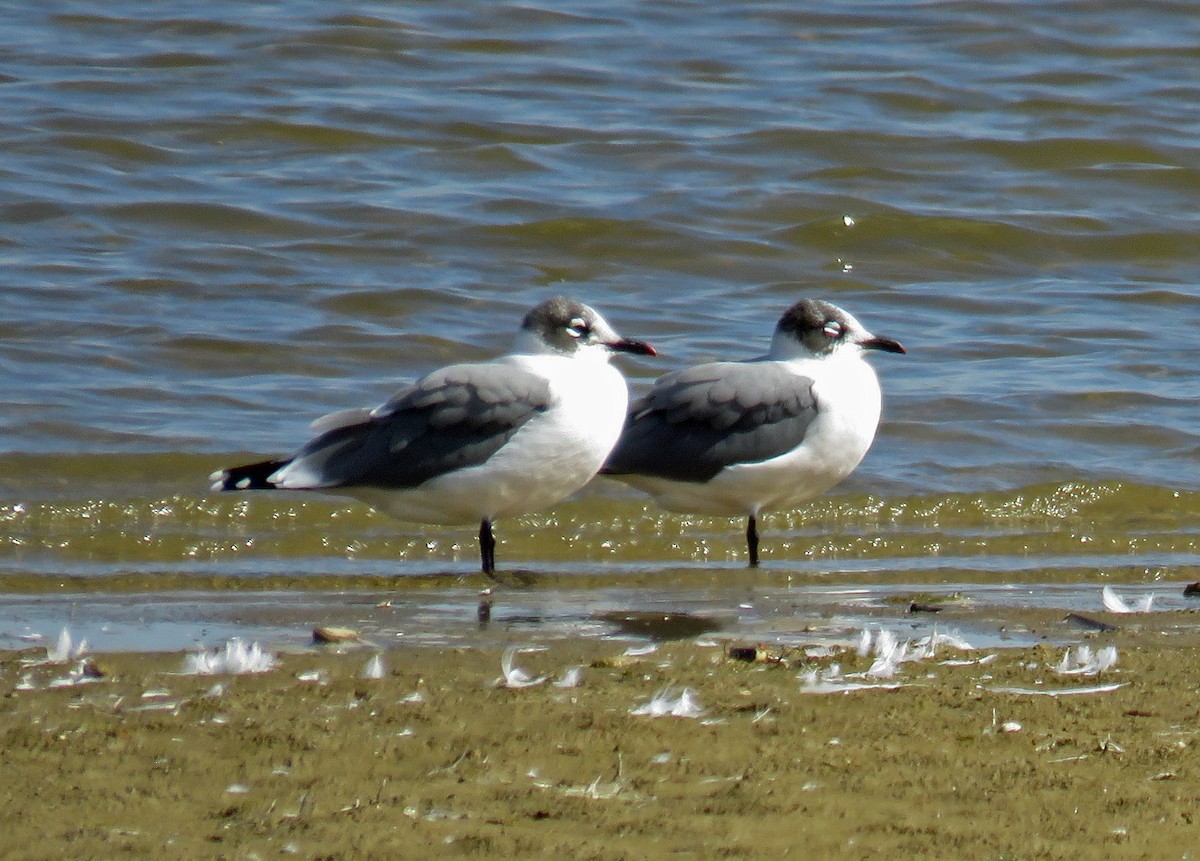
point(741, 438)
point(473, 442)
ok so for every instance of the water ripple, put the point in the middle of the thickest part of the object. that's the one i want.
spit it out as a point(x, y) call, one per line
point(218, 224)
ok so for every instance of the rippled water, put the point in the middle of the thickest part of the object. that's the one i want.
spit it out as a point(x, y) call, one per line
point(217, 225)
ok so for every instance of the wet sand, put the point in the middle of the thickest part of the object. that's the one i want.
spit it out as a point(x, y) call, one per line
point(434, 759)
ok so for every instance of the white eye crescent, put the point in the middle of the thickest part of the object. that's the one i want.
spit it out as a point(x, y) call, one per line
point(833, 329)
point(578, 328)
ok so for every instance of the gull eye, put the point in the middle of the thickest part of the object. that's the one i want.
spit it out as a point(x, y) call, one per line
point(833, 329)
point(578, 328)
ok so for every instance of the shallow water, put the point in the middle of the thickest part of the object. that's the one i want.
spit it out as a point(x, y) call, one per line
point(986, 616)
point(218, 225)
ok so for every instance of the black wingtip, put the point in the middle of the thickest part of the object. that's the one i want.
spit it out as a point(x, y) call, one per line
point(252, 476)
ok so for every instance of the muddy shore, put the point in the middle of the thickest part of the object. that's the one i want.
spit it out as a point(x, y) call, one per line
point(958, 754)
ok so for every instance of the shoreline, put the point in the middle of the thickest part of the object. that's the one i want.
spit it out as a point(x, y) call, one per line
point(763, 607)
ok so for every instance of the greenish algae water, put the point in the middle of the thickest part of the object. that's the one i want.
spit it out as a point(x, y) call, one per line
point(1051, 532)
point(175, 569)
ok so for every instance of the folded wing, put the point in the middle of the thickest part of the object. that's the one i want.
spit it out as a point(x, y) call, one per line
point(700, 420)
point(456, 417)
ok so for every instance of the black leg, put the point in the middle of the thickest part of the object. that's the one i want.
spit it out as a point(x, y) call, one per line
point(487, 547)
point(752, 540)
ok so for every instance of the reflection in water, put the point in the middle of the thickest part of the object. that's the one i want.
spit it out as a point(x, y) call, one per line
point(987, 616)
point(659, 626)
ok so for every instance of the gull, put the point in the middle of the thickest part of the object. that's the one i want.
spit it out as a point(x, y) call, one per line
point(471, 443)
point(740, 438)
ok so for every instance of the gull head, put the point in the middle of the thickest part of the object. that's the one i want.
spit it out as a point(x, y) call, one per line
point(815, 328)
point(568, 327)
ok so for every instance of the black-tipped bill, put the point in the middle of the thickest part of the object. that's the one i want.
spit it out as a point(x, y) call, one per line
point(886, 345)
point(637, 348)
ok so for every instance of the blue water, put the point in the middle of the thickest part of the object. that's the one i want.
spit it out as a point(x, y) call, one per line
point(218, 224)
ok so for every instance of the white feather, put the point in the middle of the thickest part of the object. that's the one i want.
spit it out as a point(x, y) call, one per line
point(1114, 603)
point(671, 701)
point(374, 668)
point(514, 676)
point(1087, 663)
point(864, 643)
point(65, 650)
point(572, 677)
point(234, 658)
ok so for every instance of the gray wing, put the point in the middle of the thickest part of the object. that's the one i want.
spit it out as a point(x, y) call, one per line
point(698, 421)
point(456, 417)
